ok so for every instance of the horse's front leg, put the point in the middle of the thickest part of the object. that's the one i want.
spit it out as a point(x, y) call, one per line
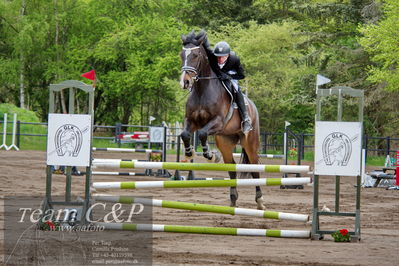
point(186, 137)
point(211, 128)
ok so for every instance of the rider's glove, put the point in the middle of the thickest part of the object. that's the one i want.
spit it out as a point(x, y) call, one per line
point(224, 76)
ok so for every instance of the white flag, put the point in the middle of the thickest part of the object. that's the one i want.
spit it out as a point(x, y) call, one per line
point(320, 80)
point(287, 124)
point(152, 118)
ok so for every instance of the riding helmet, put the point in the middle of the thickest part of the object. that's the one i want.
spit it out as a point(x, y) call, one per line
point(222, 49)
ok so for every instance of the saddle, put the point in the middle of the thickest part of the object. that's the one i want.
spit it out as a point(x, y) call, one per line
point(229, 88)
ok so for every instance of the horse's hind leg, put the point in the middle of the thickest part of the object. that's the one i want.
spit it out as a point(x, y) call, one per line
point(251, 156)
point(226, 146)
point(258, 196)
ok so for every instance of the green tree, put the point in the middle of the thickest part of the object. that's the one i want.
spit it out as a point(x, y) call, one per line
point(213, 14)
point(136, 62)
point(381, 41)
point(273, 60)
point(35, 47)
point(133, 45)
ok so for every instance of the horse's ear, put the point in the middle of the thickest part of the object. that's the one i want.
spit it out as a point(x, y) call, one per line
point(183, 38)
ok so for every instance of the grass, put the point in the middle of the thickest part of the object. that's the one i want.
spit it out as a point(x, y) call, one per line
point(375, 161)
point(33, 143)
point(26, 142)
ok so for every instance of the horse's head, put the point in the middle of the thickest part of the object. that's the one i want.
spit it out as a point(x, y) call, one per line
point(192, 55)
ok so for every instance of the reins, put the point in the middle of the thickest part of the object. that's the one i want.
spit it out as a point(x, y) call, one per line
point(198, 78)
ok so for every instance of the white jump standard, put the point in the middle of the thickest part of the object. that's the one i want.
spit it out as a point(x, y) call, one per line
point(14, 131)
point(204, 183)
point(117, 163)
point(4, 132)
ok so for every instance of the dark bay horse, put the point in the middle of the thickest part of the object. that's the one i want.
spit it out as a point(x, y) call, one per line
point(209, 112)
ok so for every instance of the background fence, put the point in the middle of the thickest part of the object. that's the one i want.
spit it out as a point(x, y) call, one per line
point(271, 142)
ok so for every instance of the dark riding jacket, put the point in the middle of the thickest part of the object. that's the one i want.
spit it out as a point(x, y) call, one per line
point(232, 66)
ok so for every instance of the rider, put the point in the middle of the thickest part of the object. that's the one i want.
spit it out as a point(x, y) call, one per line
point(230, 70)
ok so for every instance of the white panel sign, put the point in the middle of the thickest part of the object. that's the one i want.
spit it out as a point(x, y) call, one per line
point(68, 139)
point(338, 148)
point(157, 134)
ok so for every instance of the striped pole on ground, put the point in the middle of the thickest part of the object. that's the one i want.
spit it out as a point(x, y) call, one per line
point(203, 207)
point(205, 183)
point(206, 178)
point(205, 230)
point(118, 173)
point(269, 156)
point(126, 150)
point(202, 166)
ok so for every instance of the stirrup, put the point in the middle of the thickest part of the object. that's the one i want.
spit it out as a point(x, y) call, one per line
point(246, 126)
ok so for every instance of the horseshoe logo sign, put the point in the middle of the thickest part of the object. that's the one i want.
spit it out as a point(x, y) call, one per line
point(68, 140)
point(337, 149)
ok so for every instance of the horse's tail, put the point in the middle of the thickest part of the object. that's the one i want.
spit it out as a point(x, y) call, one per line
point(244, 157)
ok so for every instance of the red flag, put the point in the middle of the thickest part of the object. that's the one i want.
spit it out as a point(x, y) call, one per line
point(90, 75)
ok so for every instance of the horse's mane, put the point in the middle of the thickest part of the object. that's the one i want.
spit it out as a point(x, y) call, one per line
point(196, 39)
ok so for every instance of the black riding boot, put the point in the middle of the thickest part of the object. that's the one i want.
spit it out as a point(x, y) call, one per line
point(246, 124)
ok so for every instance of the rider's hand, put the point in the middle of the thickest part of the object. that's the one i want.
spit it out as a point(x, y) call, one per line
point(225, 76)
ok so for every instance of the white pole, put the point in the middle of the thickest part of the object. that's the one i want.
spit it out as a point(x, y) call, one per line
point(14, 131)
point(363, 172)
point(4, 132)
point(287, 124)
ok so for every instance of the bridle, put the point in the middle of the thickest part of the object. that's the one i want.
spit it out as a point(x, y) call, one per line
point(191, 69)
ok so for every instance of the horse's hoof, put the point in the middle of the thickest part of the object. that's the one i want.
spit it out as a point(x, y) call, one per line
point(233, 197)
point(260, 202)
point(189, 155)
point(188, 158)
point(213, 159)
point(92, 190)
point(217, 157)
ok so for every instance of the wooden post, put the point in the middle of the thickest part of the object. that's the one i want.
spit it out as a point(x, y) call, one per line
point(397, 168)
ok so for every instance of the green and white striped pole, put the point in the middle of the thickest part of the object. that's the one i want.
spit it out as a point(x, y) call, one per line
point(117, 163)
point(205, 183)
point(203, 207)
point(268, 156)
point(205, 230)
point(118, 173)
point(126, 150)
